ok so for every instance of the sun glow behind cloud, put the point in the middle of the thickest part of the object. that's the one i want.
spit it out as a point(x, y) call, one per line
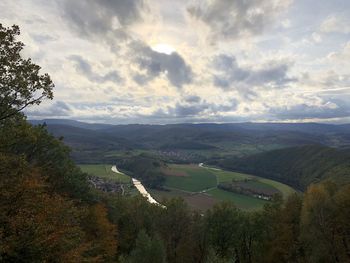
point(163, 48)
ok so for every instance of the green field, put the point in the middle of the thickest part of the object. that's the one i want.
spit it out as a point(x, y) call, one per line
point(104, 171)
point(204, 180)
point(197, 178)
point(241, 201)
point(226, 176)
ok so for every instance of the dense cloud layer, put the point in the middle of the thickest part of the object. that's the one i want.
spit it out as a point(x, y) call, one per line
point(150, 61)
point(56, 110)
point(232, 19)
point(302, 111)
point(103, 18)
point(229, 74)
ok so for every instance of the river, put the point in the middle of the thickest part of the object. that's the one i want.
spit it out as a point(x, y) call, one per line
point(139, 187)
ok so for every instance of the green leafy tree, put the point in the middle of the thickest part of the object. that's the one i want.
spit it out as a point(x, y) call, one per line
point(176, 229)
point(43, 150)
point(283, 244)
point(21, 84)
point(223, 224)
point(250, 236)
point(147, 250)
point(46, 213)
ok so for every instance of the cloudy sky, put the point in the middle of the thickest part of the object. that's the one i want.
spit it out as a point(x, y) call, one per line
point(170, 61)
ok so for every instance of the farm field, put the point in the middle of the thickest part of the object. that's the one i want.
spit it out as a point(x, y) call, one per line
point(241, 201)
point(192, 180)
point(195, 201)
point(195, 178)
point(104, 171)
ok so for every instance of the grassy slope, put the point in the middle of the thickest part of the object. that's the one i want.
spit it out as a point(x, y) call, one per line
point(104, 171)
point(227, 176)
point(286, 190)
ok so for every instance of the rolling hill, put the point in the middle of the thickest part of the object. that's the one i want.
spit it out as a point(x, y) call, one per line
point(296, 166)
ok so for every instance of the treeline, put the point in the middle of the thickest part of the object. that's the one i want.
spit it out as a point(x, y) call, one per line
point(295, 166)
point(246, 187)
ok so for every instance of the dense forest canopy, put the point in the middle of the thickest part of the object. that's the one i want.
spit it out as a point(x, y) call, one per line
point(49, 212)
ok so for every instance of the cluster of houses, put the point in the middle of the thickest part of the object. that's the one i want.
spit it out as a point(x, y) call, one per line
point(106, 186)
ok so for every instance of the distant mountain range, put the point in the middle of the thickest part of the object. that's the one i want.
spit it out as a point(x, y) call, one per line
point(214, 139)
point(73, 123)
point(302, 127)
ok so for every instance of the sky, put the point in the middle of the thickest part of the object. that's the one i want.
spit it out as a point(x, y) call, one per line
point(177, 61)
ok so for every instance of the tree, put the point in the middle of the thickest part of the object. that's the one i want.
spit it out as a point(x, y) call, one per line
point(43, 150)
point(35, 224)
point(283, 244)
point(324, 223)
point(250, 236)
point(223, 227)
point(21, 84)
point(342, 203)
point(101, 233)
point(147, 250)
point(46, 213)
point(176, 228)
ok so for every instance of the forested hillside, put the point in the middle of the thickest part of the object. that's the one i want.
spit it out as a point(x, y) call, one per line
point(296, 166)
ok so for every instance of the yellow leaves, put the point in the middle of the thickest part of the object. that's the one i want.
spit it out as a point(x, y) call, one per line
point(324, 222)
point(101, 232)
point(317, 200)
